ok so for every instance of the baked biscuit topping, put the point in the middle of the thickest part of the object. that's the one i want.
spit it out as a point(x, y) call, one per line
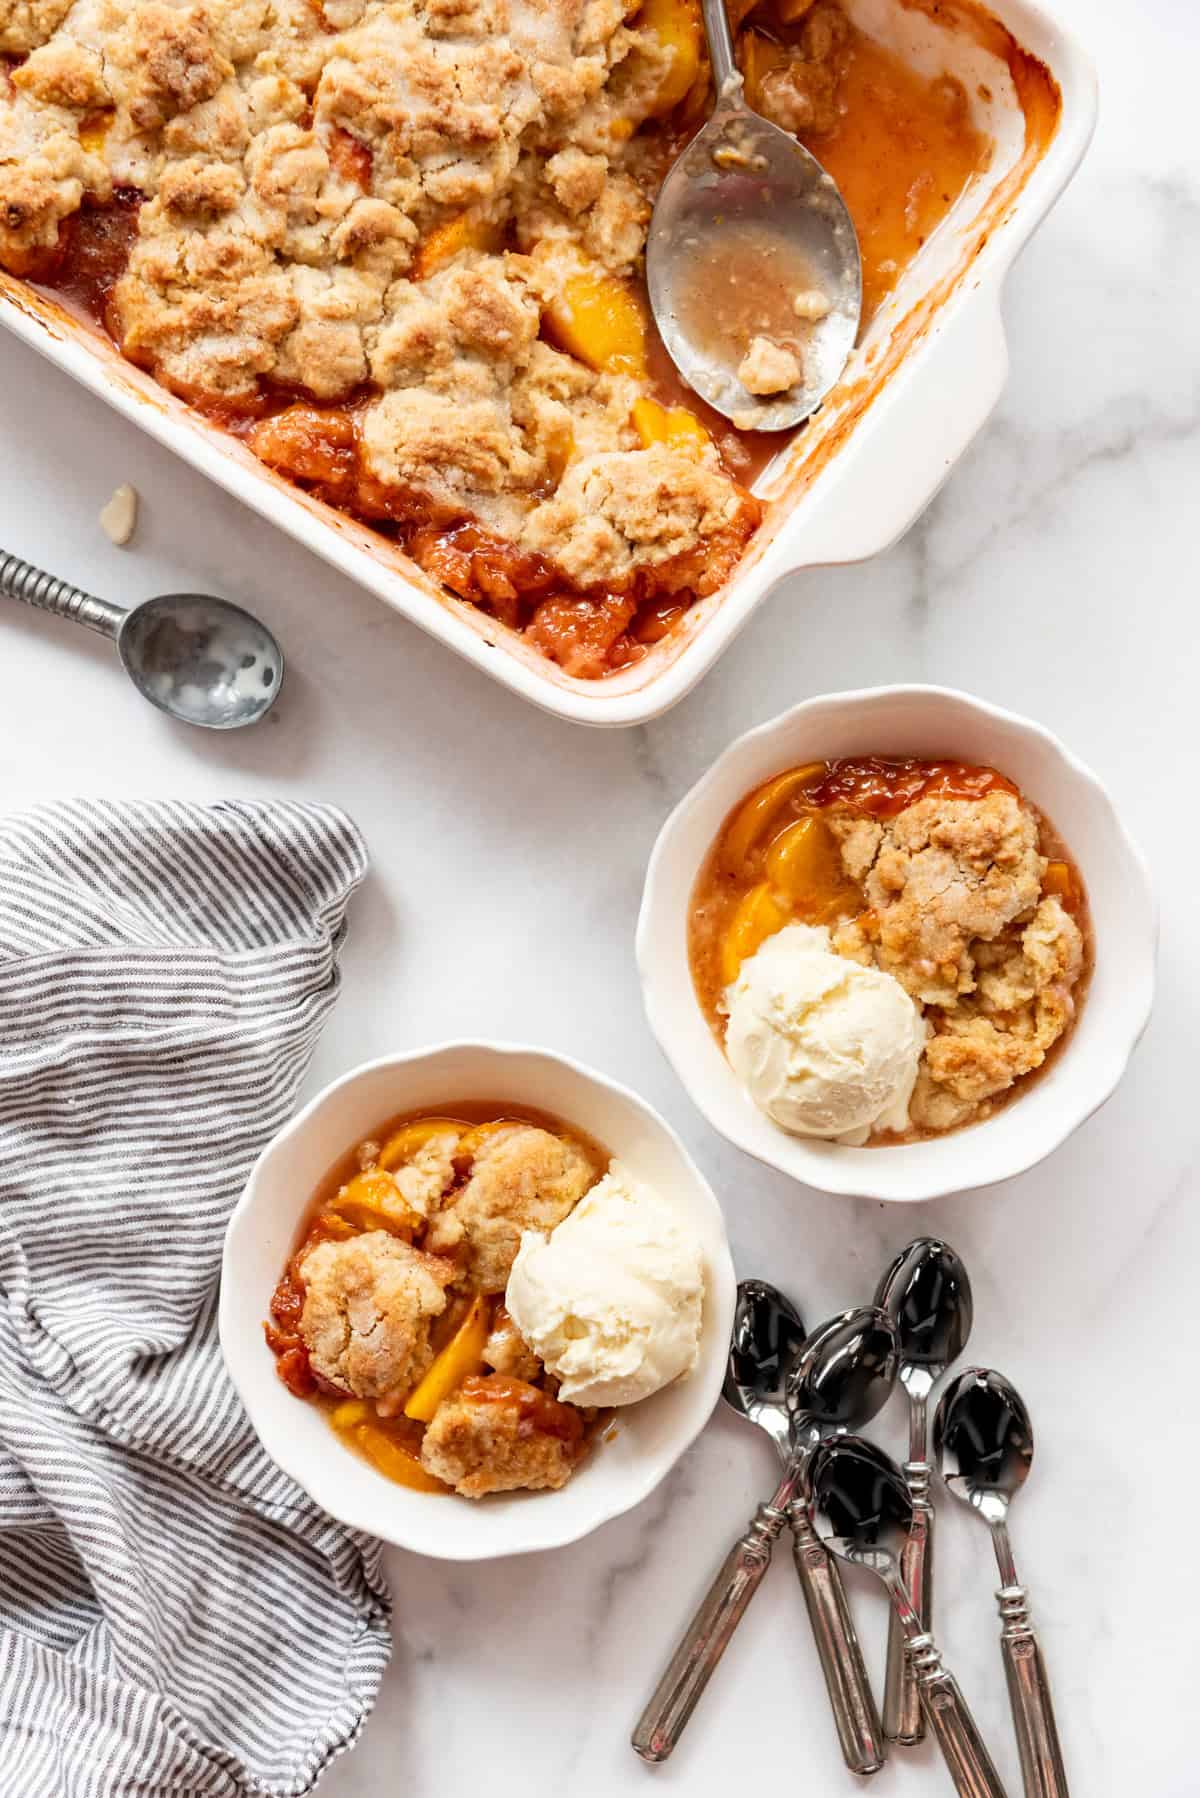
point(398, 244)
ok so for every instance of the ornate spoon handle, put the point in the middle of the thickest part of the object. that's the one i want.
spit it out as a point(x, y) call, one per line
point(946, 1712)
point(21, 580)
point(692, 1665)
point(903, 1719)
point(864, 1748)
point(1042, 1766)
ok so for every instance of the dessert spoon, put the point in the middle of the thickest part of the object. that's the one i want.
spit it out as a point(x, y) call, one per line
point(746, 198)
point(768, 1338)
point(983, 1440)
point(844, 1373)
point(927, 1294)
point(203, 660)
point(862, 1510)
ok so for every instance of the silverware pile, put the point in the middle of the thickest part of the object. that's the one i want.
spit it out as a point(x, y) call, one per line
point(844, 1498)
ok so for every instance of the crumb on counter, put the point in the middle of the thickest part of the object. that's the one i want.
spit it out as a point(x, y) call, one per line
point(768, 367)
point(118, 517)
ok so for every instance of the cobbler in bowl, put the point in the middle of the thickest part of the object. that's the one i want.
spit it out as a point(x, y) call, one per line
point(888, 947)
point(472, 1299)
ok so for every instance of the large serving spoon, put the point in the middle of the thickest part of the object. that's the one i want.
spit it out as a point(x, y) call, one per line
point(845, 1372)
point(201, 659)
point(927, 1294)
point(748, 227)
point(983, 1440)
point(862, 1510)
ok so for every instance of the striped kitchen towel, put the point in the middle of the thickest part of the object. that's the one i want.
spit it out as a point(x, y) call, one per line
point(176, 1617)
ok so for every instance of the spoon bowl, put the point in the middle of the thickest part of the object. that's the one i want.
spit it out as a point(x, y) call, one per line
point(750, 237)
point(983, 1441)
point(860, 1504)
point(845, 1373)
point(768, 1335)
point(202, 659)
point(927, 1293)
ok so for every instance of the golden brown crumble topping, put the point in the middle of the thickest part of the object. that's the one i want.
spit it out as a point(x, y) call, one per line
point(398, 244)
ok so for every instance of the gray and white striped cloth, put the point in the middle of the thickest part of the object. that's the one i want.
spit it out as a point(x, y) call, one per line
point(176, 1617)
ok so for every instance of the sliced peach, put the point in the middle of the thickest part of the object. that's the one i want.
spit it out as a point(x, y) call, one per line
point(597, 319)
point(803, 862)
point(398, 1463)
point(661, 424)
point(473, 1139)
point(410, 1137)
point(759, 55)
point(759, 916)
point(371, 1201)
point(757, 812)
point(1060, 882)
point(349, 1415)
point(462, 1355)
point(676, 25)
point(465, 231)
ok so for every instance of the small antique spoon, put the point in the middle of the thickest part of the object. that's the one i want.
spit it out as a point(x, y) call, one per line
point(862, 1510)
point(928, 1296)
point(983, 1440)
point(203, 660)
point(750, 237)
point(844, 1373)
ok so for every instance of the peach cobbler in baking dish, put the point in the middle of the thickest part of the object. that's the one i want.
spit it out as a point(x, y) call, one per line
point(888, 947)
point(396, 246)
point(474, 1295)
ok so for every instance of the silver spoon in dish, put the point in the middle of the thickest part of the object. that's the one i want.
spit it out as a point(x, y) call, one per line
point(203, 660)
point(751, 239)
point(928, 1296)
point(844, 1373)
point(862, 1511)
point(983, 1440)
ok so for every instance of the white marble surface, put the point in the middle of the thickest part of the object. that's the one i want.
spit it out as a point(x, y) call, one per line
point(1056, 574)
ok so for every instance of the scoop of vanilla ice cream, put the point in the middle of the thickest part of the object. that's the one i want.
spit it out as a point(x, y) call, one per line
point(825, 1046)
point(611, 1301)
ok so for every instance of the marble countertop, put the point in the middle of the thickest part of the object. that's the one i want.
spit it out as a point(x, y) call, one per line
point(1056, 574)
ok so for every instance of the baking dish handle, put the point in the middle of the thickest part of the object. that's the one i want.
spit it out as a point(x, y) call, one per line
point(915, 431)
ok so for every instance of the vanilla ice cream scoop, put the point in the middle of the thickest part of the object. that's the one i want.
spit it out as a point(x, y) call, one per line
point(825, 1046)
point(611, 1301)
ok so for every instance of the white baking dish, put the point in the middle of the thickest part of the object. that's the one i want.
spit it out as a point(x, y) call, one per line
point(919, 386)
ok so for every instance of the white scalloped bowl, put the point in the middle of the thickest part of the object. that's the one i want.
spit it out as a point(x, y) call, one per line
point(931, 721)
point(650, 1437)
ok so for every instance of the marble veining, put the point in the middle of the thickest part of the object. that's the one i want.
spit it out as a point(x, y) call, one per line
point(1055, 573)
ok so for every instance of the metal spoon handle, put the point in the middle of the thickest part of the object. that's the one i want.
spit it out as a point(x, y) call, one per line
point(690, 1668)
point(970, 1765)
point(903, 1719)
point(720, 50)
point(21, 580)
point(864, 1748)
point(1042, 1766)
point(946, 1712)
